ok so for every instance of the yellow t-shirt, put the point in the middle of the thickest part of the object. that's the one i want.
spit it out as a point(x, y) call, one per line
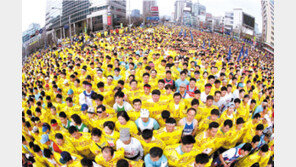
point(119, 154)
point(129, 125)
point(169, 137)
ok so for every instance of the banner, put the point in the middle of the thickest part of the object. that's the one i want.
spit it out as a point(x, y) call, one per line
point(109, 19)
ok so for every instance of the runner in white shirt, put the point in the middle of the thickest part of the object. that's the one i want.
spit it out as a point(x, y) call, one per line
point(231, 155)
point(133, 149)
point(85, 96)
point(218, 101)
point(204, 95)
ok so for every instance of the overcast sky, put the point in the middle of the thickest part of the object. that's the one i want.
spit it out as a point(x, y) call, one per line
point(33, 11)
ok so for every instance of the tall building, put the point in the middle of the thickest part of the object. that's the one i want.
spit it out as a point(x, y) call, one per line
point(179, 5)
point(83, 15)
point(30, 32)
point(147, 4)
point(239, 22)
point(135, 13)
point(198, 9)
point(267, 7)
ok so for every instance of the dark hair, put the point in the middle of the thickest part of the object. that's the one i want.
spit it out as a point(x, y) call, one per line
point(62, 114)
point(188, 139)
point(110, 149)
point(86, 162)
point(36, 148)
point(119, 94)
point(210, 97)
point(102, 107)
point(202, 158)
point(137, 100)
point(161, 80)
point(59, 136)
point(109, 124)
point(122, 163)
point(256, 138)
point(247, 147)
point(76, 118)
point(213, 125)
point(237, 100)
point(191, 109)
point(194, 102)
point(240, 120)
point(215, 112)
point(257, 115)
point(72, 129)
point(170, 120)
point(96, 132)
point(47, 153)
point(228, 122)
point(165, 114)
point(156, 92)
point(124, 115)
point(155, 152)
point(264, 148)
point(147, 134)
point(259, 127)
point(100, 85)
point(197, 91)
point(177, 94)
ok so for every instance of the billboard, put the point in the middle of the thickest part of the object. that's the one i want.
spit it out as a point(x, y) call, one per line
point(109, 19)
point(188, 7)
point(154, 9)
point(154, 14)
point(249, 21)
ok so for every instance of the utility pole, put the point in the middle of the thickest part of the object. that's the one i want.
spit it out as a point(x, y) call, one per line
point(129, 7)
point(70, 27)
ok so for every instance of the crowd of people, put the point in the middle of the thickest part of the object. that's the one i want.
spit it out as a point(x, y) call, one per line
point(154, 97)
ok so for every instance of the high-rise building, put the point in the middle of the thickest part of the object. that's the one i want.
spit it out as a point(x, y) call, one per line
point(30, 32)
point(198, 9)
point(135, 13)
point(147, 4)
point(239, 22)
point(267, 7)
point(83, 15)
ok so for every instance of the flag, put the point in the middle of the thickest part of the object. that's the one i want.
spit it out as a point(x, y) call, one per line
point(209, 43)
point(246, 55)
point(203, 46)
point(180, 33)
point(240, 53)
point(191, 35)
point(184, 34)
point(229, 54)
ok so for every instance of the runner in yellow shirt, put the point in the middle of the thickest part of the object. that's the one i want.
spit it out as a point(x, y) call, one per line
point(109, 157)
point(259, 157)
point(98, 141)
point(177, 107)
point(81, 142)
point(123, 121)
point(110, 134)
point(180, 154)
point(170, 134)
point(148, 141)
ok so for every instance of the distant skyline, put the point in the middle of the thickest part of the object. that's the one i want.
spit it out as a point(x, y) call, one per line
point(33, 11)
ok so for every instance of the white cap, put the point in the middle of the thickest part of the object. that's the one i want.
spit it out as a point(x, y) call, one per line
point(144, 113)
point(65, 81)
point(91, 110)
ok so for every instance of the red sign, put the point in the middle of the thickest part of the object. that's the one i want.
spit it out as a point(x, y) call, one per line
point(154, 9)
point(109, 20)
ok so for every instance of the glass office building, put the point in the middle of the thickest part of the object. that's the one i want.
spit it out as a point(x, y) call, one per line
point(69, 17)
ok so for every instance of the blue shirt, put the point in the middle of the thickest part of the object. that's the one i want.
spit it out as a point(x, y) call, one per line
point(179, 82)
point(155, 123)
point(150, 163)
point(258, 110)
point(117, 78)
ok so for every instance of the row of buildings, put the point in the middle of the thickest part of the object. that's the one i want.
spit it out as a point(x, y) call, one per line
point(235, 22)
point(67, 17)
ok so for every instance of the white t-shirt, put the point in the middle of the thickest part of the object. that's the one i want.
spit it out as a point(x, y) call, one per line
point(203, 97)
point(126, 106)
point(132, 149)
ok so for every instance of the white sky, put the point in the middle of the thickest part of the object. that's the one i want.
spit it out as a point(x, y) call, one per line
point(33, 11)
